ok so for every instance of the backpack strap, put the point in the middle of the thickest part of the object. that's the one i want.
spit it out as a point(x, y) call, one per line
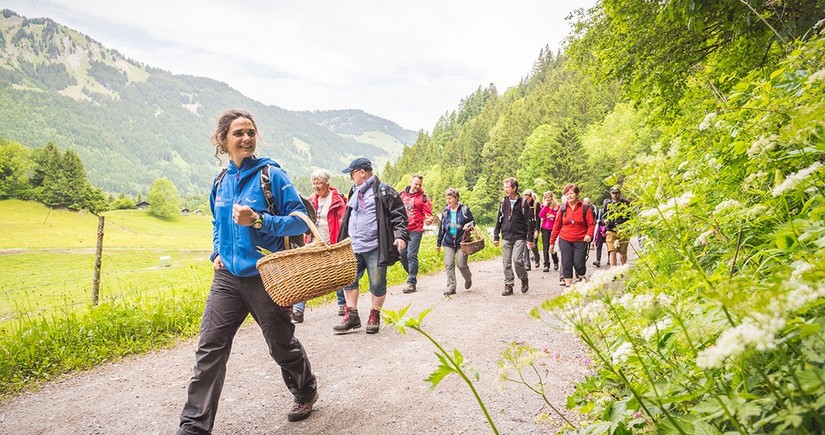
point(384, 195)
point(266, 188)
point(219, 178)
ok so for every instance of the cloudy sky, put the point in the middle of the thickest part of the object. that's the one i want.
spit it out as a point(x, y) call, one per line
point(406, 61)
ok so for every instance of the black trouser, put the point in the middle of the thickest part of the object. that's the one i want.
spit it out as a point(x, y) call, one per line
point(599, 245)
point(573, 255)
point(230, 300)
point(545, 241)
point(535, 252)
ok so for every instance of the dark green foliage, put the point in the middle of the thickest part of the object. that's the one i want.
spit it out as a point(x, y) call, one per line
point(110, 77)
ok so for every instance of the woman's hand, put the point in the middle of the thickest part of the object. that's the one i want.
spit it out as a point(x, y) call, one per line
point(217, 263)
point(587, 238)
point(243, 215)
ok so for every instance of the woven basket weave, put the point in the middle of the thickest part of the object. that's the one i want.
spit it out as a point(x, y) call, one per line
point(304, 273)
point(472, 242)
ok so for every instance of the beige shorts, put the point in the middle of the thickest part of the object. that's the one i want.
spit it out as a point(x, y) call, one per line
point(613, 240)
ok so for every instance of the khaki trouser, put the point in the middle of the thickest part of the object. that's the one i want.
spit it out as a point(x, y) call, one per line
point(451, 257)
point(513, 253)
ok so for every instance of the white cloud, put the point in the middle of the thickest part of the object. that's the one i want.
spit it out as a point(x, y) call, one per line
point(405, 61)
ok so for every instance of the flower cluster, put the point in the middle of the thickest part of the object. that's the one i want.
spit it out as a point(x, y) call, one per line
point(703, 238)
point(621, 353)
point(725, 205)
point(762, 145)
point(706, 123)
point(669, 207)
point(656, 328)
point(644, 302)
point(793, 180)
point(758, 330)
point(817, 76)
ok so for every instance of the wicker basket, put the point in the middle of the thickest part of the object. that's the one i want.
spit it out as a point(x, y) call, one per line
point(472, 242)
point(300, 274)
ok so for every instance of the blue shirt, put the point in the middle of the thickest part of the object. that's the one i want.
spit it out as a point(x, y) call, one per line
point(363, 221)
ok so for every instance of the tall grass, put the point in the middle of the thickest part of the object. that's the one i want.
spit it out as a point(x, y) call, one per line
point(47, 326)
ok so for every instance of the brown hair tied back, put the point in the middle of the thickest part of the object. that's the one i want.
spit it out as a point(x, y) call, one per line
point(218, 138)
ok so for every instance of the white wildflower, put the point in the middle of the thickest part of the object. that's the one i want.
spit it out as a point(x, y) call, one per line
point(689, 175)
point(759, 331)
point(755, 211)
point(664, 299)
point(801, 295)
point(713, 163)
point(703, 238)
point(603, 277)
point(817, 76)
point(584, 288)
point(799, 269)
point(622, 352)
point(593, 310)
point(762, 145)
point(668, 209)
point(655, 328)
point(753, 181)
point(793, 180)
point(724, 205)
point(709, 118)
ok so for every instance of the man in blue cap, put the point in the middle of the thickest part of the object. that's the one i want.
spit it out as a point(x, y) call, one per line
point(376, 223)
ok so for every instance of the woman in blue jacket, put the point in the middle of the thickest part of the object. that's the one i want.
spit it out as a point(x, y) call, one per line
point(455, 220)
point(242, 221)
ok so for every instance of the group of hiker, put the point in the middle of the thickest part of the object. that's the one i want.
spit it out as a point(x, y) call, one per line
point(251, 202)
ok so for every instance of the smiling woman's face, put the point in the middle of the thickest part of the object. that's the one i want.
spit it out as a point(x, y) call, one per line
point(241, 140)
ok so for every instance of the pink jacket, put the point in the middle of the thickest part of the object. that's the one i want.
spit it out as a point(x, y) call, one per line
point(548, 217)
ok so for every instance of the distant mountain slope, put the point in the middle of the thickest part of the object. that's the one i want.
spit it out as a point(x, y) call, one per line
point(355, 122)
point(131, 123)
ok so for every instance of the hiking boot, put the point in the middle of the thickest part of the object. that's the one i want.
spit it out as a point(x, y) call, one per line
point(508, 290)
point(546, 269)
point(537, 265)
point(374, 322)
point(562, 283)
point(341, 309)
point(580, 278)
point(597, 263)
point(298, 316)
point(410, 288)
point(350, 321)
point(555, 266)
point(467, 284)
point(301, 411)
point(525, 285)
point(449, 292)
point(527, 267)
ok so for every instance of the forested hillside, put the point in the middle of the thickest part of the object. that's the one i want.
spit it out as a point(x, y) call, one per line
point(711, 117)
point(131, 123)
point(532, 131)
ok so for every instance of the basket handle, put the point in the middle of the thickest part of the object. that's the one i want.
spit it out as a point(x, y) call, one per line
point(311, 226)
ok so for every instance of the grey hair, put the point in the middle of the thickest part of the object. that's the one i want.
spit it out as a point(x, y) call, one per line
point(529, 192)
point(321, 175)
point(452, 191)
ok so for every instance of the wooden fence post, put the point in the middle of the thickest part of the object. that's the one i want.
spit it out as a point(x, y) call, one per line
point(98, 255)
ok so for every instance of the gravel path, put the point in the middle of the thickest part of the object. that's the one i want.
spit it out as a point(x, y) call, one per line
point(368, 384)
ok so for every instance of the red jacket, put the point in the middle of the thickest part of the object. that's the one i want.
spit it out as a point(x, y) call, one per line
point(570, 226)
point(418, 207)
point(337, 207)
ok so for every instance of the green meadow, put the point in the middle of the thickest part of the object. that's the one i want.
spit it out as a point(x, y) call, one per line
point(47, 323)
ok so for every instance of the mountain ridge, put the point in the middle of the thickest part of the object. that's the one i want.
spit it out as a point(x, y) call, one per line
point(131, 123)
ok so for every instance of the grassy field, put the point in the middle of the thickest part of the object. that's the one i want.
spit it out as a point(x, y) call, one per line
point(47, 324)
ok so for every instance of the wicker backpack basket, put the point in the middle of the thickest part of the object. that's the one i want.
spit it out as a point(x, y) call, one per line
point(304, 273)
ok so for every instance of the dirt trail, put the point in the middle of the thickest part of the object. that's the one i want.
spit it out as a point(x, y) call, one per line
point(368, 384)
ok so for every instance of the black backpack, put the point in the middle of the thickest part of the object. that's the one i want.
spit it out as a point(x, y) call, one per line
point(266, 187)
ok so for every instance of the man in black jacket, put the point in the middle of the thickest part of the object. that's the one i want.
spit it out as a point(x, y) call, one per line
point(515, 224)
point(376, 223)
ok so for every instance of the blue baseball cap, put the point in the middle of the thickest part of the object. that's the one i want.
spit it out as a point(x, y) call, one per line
point(359, 163)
